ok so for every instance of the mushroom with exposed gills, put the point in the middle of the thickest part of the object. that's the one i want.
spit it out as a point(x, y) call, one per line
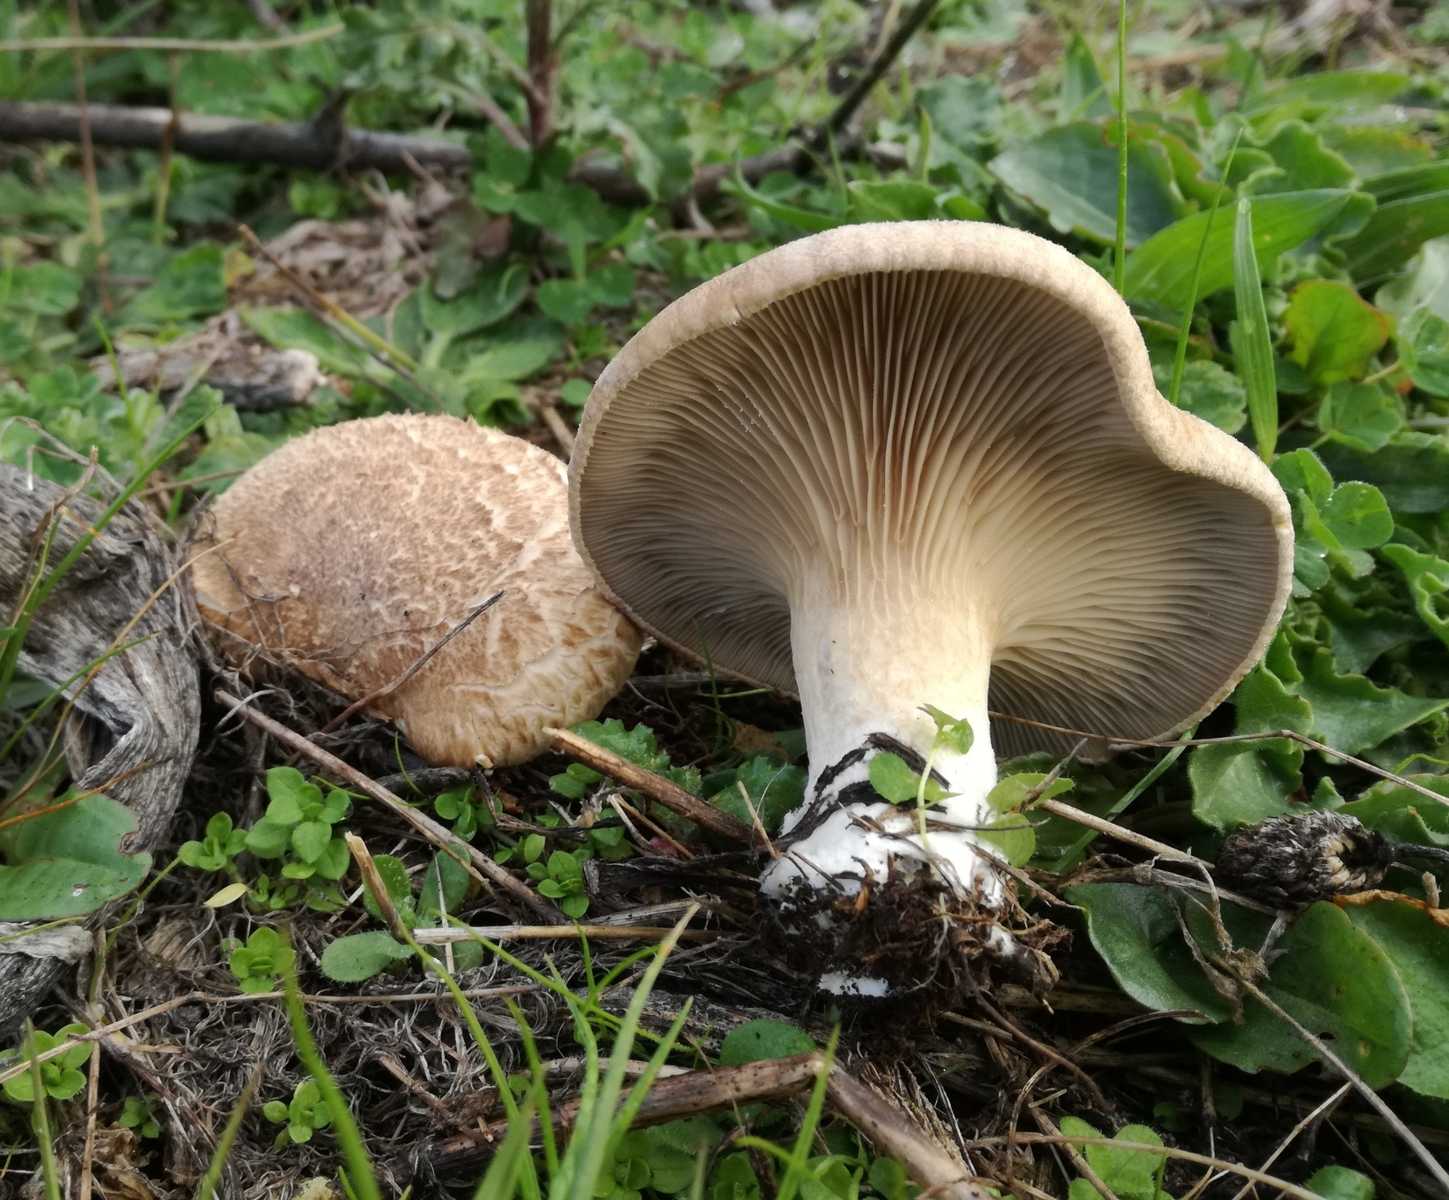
point(348, 554)
point(899, 465)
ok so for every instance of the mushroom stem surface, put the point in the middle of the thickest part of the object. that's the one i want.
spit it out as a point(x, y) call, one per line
point(863, 693)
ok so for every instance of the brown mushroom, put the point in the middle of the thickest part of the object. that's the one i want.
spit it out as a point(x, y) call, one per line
point(351, 552)
point(917, 464)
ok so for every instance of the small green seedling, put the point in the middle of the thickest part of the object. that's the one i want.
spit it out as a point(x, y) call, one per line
point(218, 848)
point(561, 879)
point(260, 963)
point(136, 1114)
point(60, 1077)
point(297, 827)
point(302, 1117)
point(466, 815)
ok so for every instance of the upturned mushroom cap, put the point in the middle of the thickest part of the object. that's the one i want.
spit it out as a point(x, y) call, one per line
point(960, 416)
point(349, 553)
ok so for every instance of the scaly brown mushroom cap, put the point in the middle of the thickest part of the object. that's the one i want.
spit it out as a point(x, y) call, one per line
point(350, 552)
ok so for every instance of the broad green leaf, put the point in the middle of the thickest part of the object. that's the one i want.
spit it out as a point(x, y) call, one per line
point(1213, 393)
point(1250, 338)
point(69, 861)
point(1234, 785)
point(298, 329)
point(952, 733)
point(289, 793)
point(359, 956)
point(395, 878)
point(1427, 576)
point(310, 838)
point(43, 288)
point(774, 789)
point(1352, 714)
point(763, 1038)
point(190, 285)
point(1338, 983)
point(1340, 1183)
point(1403, 814)
point(1412, 471)
point(1083, 94)
point(1394, 232)
point(1129, 1174)
point(1070, 173)
point(1418, 947)
point(1336, 90)
point(1365, 415)
point(1334, 333)
point(1011, 792)
point(1305, 161)
point(1135, 931)
point(891, 200)
point(1159, 271)
point(1406, 182)
point(1303, 471)
point(1373, 150)
point(1012, 836)
point(895, 781)
point(1424, 283)
point(1423, 343)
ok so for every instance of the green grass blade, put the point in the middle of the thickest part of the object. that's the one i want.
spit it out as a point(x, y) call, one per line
point(1119, 257)
point(1184, 330)
point(1252, 346)
point(40, 1122)
point(599, 1133)
point(349, 1137)
point(500, 1181)
point(206, 1189)
point(799, 1168)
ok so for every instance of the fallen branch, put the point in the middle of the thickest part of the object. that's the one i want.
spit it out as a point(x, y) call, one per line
point(656, 787)
point(888, 1127)
point(479, 865)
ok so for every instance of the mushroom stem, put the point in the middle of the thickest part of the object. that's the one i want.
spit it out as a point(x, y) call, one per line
point(862, 692)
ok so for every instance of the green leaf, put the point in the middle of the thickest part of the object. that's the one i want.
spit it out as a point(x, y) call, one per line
point(894, 780)
point(1333, 331)
point(69, 861)
point(892, 200)
point(952, 733)
point(395, 878)
point(1250, 342)
point(1235, 785)
point(1129, 1174)
point(1135, 931)
point(1364, 415)
point(289, 793)
point(761, 1039)
point(1424, 283)
point(310, 839)
point(1071, 174)
point(1418, 948)
point(1427, 577)
point(359, 956)
point(1012, 836)
point(1395, 232)
point(1083, 94)
point(774, 789)
point(46, 289)
point(1213, 393)
point(1352, 714)
point(1160, 270)
point(1423, 344)
point(267, 839)
point(1340, 1183)
point(1412, 471)
point(190, 285)
point(1305, 161)
point(1338, 983)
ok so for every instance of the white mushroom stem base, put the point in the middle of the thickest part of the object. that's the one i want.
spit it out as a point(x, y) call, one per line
point(863, 672)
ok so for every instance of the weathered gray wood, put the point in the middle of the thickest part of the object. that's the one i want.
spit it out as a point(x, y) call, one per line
point(136, 722)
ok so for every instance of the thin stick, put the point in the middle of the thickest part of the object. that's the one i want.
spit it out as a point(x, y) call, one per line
point(629, 814)
point(483, 868)
point(517, 933)
point(1078, 1159)
point(1436, 1168)
point(1294, 1132)
point(854, 98)
point(180, 45)
point(1203, 1160)
point(656, 787)
point(414, 667)
point(1121, 834)
point(1291, 735)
